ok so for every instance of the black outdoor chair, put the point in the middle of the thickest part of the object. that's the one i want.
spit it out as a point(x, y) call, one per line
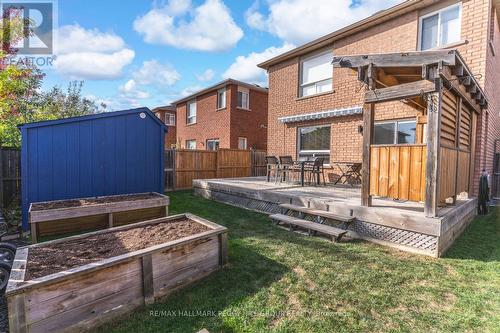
point(273, 166)
point(289, 167)
point(316, 169)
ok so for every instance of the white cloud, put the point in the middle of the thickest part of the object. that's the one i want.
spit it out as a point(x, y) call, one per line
point(245, 68)
point(153, 72)
point(208, 27)
point(206, 75)
point(190, 90)
point(300, 21)
point(90, 54)
point(130, 90)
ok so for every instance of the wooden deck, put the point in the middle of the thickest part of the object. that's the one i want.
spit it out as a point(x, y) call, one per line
point(400, 224)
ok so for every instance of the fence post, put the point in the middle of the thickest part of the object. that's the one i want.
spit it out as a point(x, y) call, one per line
point(217, 159)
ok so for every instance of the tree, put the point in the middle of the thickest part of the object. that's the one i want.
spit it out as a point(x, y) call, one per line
point(62, 104)
point(21, 100)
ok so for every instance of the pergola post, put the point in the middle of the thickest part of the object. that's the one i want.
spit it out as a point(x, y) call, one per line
point(368, 120)
point(434, 101)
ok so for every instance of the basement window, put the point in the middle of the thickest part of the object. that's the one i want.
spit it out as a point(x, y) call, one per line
point(440, 28)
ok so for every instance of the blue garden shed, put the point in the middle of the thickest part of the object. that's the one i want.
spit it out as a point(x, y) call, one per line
point(103, 154)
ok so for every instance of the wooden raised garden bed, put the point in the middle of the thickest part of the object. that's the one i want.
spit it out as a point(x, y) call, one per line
point(76, 215)
point(79, 282)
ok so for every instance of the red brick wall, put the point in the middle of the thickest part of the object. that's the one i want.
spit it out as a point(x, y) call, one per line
point(397, 35)
point(226, 124)
point(170, 137)
point(491, 83)
point(251, 124)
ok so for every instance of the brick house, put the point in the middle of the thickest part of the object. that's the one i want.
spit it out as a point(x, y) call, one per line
point(230, 114)
point(316, 110)
point(167, 114)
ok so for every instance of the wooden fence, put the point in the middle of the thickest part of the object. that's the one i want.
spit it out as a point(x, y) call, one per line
point(184, 165)
point(398, 171)
point(10, 176)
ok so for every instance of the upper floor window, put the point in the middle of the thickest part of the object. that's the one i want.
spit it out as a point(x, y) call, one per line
point(316, 74)
point(395, 132)
point(221, 98)
point(191, 112)
point(169, 119)
point(440, 28)
point(243, 98)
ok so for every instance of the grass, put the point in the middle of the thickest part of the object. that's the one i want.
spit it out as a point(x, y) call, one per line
point(278, 281)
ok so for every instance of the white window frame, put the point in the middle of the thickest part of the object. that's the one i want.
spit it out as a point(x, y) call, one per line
point(191, 140)
point(191, 119)
point(312, 152)
point(221, 92)
point(212, 140)
point(243, 91)
point(301, 74)
point(438, 12)
point(396, 126)
point(171, 119)
point(245, 140)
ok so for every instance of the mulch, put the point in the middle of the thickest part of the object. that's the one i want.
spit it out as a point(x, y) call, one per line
point(58, 257)
point(91, 201)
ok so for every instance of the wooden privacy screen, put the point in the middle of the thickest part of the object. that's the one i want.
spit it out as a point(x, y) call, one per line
point(448, 119)
point(456, 145)
point(398, 171)
point(184, 165)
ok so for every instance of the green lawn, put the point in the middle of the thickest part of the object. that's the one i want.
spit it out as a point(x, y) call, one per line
point(278, 281)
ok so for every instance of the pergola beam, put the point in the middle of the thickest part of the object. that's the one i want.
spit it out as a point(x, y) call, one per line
point(409, 59)
point(401, 91)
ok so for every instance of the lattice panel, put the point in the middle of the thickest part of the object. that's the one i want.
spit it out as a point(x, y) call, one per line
point(398, 236)
point(366, 229)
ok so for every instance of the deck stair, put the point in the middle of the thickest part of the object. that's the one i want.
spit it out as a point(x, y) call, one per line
point(312, 227)
point(321, 215)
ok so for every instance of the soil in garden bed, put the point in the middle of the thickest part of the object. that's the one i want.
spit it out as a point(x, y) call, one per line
point(91, 201)
point(58, 257)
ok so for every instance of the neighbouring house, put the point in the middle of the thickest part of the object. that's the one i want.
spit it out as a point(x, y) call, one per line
point(167, 114)
point(230, 114)
point(317, 110)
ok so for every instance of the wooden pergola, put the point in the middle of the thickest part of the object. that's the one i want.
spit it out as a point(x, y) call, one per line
point(447, 98)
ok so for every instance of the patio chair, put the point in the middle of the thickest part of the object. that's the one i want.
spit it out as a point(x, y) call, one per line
point(273, 166)
point(290, 167)
point(316, 169)
point(352, 175)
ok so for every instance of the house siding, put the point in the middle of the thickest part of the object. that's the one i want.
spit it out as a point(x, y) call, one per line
point(398, 34)
point(226, 124)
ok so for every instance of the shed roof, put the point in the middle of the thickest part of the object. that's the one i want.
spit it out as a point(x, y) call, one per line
point(94, 116)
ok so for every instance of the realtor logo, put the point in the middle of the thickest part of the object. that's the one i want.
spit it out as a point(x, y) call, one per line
point(38, 17)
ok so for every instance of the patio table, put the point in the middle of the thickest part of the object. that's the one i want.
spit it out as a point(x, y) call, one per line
point(350, 170)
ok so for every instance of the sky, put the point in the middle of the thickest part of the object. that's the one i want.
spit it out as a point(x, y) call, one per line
point(133, 53)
